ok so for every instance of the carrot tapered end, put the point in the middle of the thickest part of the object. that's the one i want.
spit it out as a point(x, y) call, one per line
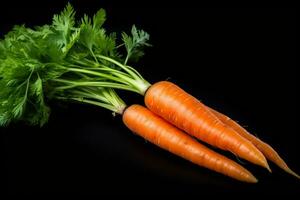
point(246, 176)
point(262, 161)
point(288, 170)
point(251, 179)
point(281, 163)
point(254, 180)
point(268, 168)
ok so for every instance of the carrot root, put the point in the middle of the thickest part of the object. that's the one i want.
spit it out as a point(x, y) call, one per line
point(156, 130)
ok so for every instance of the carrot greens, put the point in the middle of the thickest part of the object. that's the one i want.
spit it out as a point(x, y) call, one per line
point(66, 60)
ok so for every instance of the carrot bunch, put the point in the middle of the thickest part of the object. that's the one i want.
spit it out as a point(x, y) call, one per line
point(65, 61)
point(188, 114)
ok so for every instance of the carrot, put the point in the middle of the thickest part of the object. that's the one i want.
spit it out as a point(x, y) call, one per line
point(156, 130)
point(266, 149)
point(187, 113)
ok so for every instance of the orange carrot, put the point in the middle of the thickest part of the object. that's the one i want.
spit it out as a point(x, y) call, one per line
point(266, 149)
point(187, 113)
point(156, 130)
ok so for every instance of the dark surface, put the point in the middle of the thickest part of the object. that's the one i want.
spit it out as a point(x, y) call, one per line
point(240, 61)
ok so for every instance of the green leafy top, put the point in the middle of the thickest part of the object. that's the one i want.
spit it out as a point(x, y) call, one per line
point(68, 61)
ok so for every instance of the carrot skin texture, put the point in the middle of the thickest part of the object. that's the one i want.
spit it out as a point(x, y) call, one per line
point(189, 114)
point(159, 132)
point(265, 148)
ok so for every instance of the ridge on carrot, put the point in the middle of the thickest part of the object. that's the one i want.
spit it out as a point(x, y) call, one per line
point(69, 60)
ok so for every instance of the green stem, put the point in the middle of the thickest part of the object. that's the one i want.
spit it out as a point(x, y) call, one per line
point(73, 84)
point(132, 81)
point(90, 95)
point(97, 74)
point(138, 85)
point(107, 106)
point(27, 86)
point(126, 59)
point(100, 67)
point(137, 80)
point(105, 97)
point(135, 76)
point(137, 73)
point(94, 55)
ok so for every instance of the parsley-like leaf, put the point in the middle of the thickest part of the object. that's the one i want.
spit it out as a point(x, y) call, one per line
point(134, 44)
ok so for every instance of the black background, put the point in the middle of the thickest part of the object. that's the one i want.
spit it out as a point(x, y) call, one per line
point(241, 61)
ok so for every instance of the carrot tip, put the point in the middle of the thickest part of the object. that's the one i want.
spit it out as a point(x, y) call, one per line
point(268, 168)
point(288, 170)
point(252, 179)
point(255, 181)
point(265, 164)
